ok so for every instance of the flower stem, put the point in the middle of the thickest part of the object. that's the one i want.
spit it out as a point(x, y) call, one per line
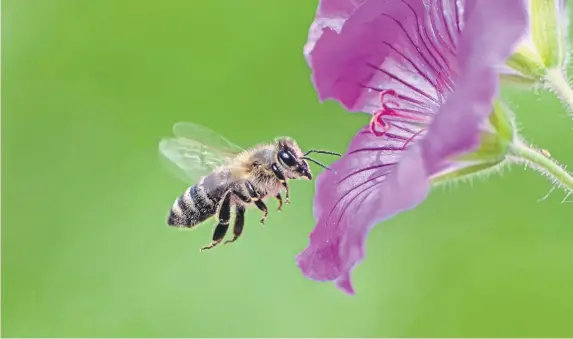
point(556, 80)
point(543, 163)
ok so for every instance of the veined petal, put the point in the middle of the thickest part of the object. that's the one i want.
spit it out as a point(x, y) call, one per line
point(347, 203)
point(375, 180)
point(345, 63)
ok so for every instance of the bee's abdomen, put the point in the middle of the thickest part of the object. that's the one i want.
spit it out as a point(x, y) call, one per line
point(193, 207)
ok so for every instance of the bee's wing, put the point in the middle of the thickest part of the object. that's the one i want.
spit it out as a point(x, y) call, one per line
point(196, 150)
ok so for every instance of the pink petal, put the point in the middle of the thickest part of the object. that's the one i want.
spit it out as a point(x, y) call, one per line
point(344, 63)
point(347, 203)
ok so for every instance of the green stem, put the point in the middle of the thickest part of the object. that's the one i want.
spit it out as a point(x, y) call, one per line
point(537, 160)
point(557, 81)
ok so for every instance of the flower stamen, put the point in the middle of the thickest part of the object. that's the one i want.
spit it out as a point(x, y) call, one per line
point(380, 126)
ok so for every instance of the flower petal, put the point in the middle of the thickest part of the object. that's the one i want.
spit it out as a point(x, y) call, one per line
point(345, 63)
point(330, 14)
point(387, 43)
point(347, 202)
point(388, 182)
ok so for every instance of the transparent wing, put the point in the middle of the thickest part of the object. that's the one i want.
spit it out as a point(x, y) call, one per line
point(195, 150)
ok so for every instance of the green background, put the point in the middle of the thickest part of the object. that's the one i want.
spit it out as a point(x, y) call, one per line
point(90, 87)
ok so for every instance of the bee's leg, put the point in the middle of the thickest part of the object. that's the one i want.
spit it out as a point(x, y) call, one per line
point(280, 199)
point(239, 193)
point(239, 223)
point(256, 199)
point(282, 179)
point(223, 226)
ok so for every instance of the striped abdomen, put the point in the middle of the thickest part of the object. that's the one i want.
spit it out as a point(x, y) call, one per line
point(198, 202)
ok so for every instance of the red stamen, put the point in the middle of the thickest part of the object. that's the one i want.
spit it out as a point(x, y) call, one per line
point(377, 120)
point(388, 109)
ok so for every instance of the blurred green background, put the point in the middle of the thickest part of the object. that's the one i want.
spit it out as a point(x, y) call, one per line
point(90, 87)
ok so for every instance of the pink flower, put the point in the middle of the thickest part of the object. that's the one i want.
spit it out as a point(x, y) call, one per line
point(425, 70)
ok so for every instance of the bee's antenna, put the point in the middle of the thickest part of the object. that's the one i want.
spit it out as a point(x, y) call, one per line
point(320, 164)
point(321, 152)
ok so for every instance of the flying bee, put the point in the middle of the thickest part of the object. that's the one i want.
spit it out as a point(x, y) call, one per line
point(227, 176)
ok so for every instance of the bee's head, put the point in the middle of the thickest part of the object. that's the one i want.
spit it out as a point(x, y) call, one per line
point(293, 161)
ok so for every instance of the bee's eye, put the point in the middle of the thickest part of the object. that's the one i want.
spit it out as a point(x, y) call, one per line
point(287, 158)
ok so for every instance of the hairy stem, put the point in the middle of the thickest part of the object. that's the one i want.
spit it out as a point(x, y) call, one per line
point(543, 163)
point(556, 80)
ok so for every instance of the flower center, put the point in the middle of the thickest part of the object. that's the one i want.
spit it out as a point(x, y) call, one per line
point(381, 121)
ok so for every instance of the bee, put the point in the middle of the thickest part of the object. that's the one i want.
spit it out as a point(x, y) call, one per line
point(226, 176)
